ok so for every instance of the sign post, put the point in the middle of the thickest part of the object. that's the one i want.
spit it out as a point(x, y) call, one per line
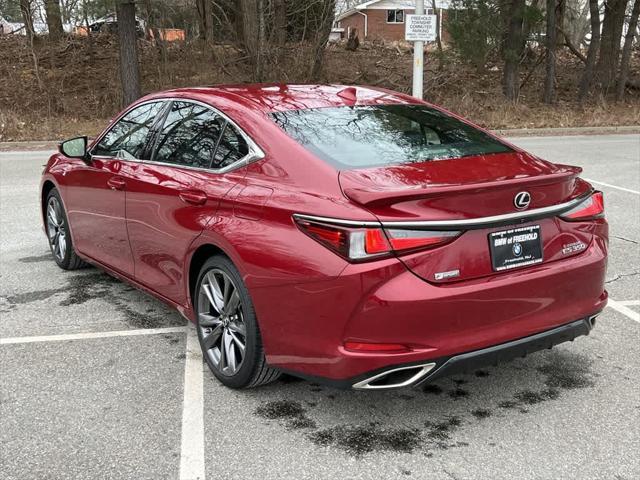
point(419, 28)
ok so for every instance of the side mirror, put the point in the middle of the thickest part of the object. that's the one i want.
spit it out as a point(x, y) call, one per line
point(74, 148)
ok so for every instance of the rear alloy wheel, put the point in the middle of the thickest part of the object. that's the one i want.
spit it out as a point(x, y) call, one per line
point(58, 233)
point(227, 327)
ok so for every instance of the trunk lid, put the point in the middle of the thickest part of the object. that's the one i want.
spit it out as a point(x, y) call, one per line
point(470, 188)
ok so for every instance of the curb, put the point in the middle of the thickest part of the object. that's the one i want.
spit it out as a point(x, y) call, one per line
point(517, 132)
point(28, 146)
point(568, 131)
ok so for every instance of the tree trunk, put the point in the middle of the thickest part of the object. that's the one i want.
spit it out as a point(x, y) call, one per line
point(614, 12)
point(54, 20)
point(322, 37)
point(127, 37)
point(85, 17)
point(280, 22)
point(626, 51)
point(438, 15)
point(262, 37)
point(27, 18)
point(205, 20)
point(253, 30)
point(550, 77)
point(153, 33)
point(239, 20)
point(594, 46)
point(560, 14)
point(512, 51)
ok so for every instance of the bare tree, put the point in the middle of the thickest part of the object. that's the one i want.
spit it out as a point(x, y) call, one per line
point(280, 21)
point(513, 48)
point(626, 50)
point(551, 41)
point(614, 12)
point(54, 19)
point(438, 39)
point(127, 37)
point(576, 23)
point(27, 18)
point(322, 36)
point(594, 46)
point(253, 34)
point(154, 33)
point(205, 19)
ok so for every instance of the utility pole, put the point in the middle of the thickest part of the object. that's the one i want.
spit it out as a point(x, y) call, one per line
point(418, 57)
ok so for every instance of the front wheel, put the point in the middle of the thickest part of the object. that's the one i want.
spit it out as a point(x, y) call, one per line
point(227, 327)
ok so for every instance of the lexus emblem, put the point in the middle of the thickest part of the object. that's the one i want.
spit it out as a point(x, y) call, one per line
point(522, 200)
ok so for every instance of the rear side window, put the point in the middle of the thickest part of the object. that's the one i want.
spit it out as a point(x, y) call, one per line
point(189, 136)
point(383, 135)
point(232, 147)
point(127, 139)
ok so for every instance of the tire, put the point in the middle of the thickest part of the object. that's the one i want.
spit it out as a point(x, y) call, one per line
point(228, 328)
point(57, 229)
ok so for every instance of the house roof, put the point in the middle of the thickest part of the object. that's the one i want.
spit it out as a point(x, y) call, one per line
point(390, 5)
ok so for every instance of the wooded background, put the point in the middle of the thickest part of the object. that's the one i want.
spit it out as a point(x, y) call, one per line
point(562, 52)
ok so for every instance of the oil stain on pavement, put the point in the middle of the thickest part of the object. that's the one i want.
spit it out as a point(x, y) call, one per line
point(97, 285)
point(47, 257)
point(560, 371)
point(360, 439)
point(292, 412)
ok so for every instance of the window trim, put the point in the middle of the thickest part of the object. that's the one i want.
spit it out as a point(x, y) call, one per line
point(395, 15)
point(159, 127)
point(255, 152)
point(113, 123)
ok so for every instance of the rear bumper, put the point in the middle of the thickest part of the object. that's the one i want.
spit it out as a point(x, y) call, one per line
point(386, 303)
point(508, 351)
point(418, 373)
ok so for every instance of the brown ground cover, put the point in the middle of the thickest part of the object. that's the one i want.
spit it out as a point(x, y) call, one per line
point(75, 89)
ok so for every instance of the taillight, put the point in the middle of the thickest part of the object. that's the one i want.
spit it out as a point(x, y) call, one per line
point(591, 208)
point(410, 239)
point(360, 244)
point(334, 238)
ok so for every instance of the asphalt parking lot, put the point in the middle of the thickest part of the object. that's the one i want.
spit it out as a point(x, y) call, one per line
point(102, 381)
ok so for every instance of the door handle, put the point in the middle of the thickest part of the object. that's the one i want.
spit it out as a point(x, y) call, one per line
point(194, 197)
point(116, 183)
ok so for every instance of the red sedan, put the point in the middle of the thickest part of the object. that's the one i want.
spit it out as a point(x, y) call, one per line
point(353, 235)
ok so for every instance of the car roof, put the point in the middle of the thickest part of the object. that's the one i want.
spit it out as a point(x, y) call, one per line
point(277, 97)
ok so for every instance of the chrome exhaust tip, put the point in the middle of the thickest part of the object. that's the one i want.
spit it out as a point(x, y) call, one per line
point(395, 378)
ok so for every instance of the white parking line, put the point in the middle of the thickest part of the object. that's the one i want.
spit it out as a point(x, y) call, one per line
point(630, 303)
point(623, 309)
point(192, 443)
point(613, 186)
point(90, 335)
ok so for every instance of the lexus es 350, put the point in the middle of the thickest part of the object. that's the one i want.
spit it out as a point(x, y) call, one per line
point(351, 235)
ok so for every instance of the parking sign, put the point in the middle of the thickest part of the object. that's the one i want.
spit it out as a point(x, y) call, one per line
point(420, 28)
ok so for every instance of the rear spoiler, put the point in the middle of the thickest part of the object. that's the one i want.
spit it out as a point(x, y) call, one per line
point(368, 195)
point(459, 224)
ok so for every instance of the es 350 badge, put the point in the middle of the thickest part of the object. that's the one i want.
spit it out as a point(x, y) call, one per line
point(573, 247)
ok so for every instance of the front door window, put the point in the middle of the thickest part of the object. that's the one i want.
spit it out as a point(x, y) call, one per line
point(128, 138)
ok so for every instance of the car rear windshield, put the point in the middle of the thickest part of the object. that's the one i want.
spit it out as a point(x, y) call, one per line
point(382, 135)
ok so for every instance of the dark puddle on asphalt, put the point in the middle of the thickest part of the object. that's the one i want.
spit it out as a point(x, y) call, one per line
point(561, 371)
point(82, 288)
point(47, 257)
point(293, 413)
point(355, 439)
point(360, 439)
